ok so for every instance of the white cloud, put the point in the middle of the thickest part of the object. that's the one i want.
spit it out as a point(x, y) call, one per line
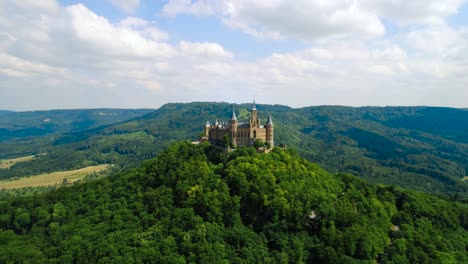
point(144, 26)
point(309, 20)
point(73, 49)
point(404, 12)
point(316, 19)
point(206, 50)
point(17, 67)
point(100, 33)
point(436, 40)
point(187, 7)
point(134, 22)
point(54, 56)
point(40, 6)
point(127, 6)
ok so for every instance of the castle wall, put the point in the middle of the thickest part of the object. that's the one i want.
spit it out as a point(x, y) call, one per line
point(240, 134)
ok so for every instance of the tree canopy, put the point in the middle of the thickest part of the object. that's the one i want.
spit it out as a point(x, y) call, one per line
point(197, 204)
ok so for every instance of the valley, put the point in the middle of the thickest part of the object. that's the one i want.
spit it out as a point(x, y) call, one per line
point(420, 148)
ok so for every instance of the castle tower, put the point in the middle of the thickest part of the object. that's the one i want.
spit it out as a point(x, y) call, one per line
point(207, 129)
point(270, 131)
point(254, 121)
point(233, 124)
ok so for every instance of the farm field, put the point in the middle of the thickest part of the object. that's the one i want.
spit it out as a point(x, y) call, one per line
point(8, 163)
point(52, 179)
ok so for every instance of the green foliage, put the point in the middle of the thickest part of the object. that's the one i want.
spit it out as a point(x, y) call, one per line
point(413, 147)
point(260, 144)
point(40, 123)
point(197, 204)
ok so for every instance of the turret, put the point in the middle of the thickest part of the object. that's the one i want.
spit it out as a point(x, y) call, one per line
point(207, 129)
point(233, 124)
point(269, 121)
point(254, 121)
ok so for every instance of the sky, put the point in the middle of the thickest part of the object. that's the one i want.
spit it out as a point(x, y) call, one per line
point(145, 53)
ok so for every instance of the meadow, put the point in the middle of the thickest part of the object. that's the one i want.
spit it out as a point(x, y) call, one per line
point(52, 179)
point(8, 163)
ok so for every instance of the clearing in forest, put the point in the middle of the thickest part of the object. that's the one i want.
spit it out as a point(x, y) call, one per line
point(8, 163)
point(52, 179)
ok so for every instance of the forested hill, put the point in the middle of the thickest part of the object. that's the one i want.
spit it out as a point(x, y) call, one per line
point(195, 204)
point(40, 123)
point(423, 148)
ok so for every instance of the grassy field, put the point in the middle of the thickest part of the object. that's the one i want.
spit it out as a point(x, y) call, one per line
point(8, 163)
point(52, 179)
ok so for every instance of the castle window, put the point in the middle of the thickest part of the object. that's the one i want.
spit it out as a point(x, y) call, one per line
point(255, 134)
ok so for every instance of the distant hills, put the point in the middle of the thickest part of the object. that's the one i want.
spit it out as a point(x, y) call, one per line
point(40, 123)
point(423, 148)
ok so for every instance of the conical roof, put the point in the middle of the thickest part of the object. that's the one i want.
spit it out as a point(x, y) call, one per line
point(269, 121)
point(234, 117)
point(208, 123)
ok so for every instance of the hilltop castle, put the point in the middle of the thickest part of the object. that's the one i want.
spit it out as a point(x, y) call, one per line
point(240, 134)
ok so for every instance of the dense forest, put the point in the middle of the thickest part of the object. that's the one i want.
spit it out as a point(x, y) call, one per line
point(40, 123)
point(37, 129)
point(423, 148)
point(197, 204)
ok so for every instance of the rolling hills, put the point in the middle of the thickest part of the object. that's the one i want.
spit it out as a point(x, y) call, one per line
point(25, 133)
point(423, 148)
point(40, 123)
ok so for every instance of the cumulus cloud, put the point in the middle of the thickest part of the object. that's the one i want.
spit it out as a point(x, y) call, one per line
point(127, 6)
point(187, 7)
point(100, 33)
point(441, 39)
point(315, 19)
point(54, 56)
point(205, 50)
point(309, 20)
point(70, 48)
point(416, 11)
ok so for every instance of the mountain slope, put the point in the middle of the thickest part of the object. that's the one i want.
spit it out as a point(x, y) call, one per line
point(33, 132)
point(391, 145)
point(40, 123)
point(195, 204)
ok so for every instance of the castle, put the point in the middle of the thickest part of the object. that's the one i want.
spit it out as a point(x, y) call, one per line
point(240, 134)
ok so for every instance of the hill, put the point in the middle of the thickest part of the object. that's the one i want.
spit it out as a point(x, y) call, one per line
point(33, 132)
point(195, 204)
point(422, 148)
point(40, 123)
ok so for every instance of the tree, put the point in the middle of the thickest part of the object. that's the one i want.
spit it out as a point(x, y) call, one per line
point(258, 143)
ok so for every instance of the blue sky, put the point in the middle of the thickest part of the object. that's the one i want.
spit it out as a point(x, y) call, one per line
point(145, 53)
point(194, 28)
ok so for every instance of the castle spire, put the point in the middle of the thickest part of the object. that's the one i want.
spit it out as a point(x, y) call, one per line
point(253, 107)
point(208, 123)
point(269, 121)
point(234, 117)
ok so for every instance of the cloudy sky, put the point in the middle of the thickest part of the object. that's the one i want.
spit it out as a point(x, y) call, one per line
point(145, 53)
